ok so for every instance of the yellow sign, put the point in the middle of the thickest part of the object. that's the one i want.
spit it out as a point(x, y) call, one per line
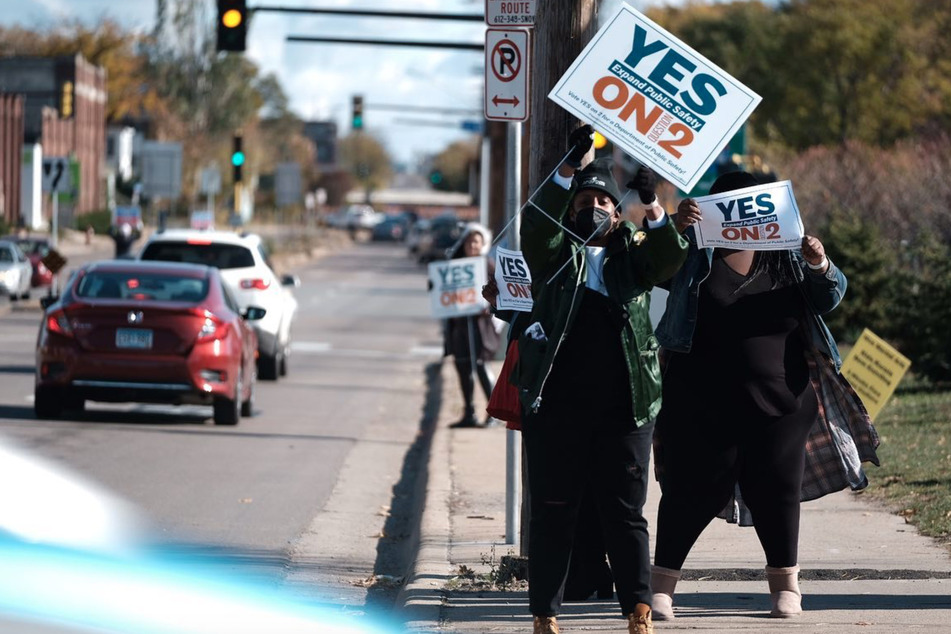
point(874, 369)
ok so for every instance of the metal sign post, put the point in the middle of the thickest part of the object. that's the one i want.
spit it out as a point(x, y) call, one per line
point(513, 438)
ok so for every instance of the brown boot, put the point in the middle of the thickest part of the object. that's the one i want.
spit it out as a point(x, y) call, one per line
point(663, 582)
point(784, 591)
point(545, 625)
point(640, 624)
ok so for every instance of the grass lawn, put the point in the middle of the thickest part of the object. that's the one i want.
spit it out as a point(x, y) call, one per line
point(915, 477)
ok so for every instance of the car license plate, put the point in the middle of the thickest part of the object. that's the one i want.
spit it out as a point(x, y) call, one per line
point(137, 338)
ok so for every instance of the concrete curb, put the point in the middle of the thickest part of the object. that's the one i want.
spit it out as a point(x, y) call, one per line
point(423, 595)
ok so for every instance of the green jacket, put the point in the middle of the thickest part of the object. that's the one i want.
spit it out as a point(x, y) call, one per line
point(634, 262)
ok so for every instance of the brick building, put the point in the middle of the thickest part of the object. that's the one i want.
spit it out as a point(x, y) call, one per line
point(11, 146)
point(64, 110)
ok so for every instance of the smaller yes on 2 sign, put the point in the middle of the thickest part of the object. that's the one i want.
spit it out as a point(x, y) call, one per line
point(514, 281)
point(456, 287)
point(761, 218)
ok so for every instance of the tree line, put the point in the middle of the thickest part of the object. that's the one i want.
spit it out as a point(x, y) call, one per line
point(856, 111)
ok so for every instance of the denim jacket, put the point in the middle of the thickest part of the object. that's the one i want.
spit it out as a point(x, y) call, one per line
point(843, 436)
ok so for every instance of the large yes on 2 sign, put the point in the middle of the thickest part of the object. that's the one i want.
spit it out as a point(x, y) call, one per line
point(654, 97)
point(760, 218)
point(457, 287)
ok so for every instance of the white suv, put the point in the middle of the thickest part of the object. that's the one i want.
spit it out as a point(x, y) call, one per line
point(243, 262)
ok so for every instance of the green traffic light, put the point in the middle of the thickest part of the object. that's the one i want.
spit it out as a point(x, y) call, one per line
point(435, 178)
point(237, 159)
point(357, 122)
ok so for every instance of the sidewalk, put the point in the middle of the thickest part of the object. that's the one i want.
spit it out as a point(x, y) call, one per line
point(863, 569)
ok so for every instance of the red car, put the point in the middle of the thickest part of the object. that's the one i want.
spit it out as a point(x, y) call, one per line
point(35, 249)
point(148, 332)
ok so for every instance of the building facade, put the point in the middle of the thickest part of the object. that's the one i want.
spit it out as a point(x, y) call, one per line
point(11, 146)
point(64, 104)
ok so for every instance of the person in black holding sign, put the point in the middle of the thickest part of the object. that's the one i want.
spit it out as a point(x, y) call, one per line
point(473, 340)
point(750, 377)
point(588, 376)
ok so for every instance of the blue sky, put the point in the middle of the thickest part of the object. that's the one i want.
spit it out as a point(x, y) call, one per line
point(320, 79)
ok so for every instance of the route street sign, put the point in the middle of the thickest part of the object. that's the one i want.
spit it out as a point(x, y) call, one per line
point(56, 176)
point(507, 71)
point(510, 13)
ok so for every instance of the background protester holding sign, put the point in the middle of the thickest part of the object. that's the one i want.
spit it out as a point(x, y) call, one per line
point(588, 375)
point(752, 397)
point(473, 340)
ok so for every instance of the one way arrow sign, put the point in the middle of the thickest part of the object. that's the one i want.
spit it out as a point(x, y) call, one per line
point(56, 176)
point(507, 74)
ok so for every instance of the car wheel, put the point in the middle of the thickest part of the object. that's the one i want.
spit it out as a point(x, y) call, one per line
point(269, 366)
point(284, 357)
point(47, 403)
point(247, 406)
point(227, 411)
point(74, 404)
point(26, 294)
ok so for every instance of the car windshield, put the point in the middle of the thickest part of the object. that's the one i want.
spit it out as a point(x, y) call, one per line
point(34, 246)
point(221, 256)
point(142, 286)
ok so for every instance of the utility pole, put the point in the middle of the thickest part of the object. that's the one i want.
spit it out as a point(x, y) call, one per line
point(562, 29)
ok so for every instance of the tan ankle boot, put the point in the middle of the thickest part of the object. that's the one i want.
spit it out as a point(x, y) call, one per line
point(784, 591)
point(663, 582)
point(640, 624)
point(545, 625)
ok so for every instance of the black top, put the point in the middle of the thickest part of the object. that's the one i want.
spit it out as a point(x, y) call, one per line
point(747, 344)
point(590, 374)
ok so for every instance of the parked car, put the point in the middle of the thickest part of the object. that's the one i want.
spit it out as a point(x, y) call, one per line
point(442, 234)
point(361, 217)
point(151, 332)
point(393, 228)
point(246, 272)
point(35, 248)
point(15, 271)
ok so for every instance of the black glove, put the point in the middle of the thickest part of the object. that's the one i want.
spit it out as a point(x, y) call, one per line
point(580, 142)
point(645, 182)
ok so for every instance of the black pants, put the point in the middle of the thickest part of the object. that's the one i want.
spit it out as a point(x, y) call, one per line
point(564, 451)
point(705, 449)
point(466, 382)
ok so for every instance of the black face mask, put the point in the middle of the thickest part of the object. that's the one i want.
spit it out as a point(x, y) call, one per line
point(594, 222)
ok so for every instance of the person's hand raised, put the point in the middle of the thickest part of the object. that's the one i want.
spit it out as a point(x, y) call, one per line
point(579, 142)
point(645, 182)
point(688, 214)
point(814, 253)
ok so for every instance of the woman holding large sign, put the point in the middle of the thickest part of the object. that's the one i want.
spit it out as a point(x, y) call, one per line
point(751, 396)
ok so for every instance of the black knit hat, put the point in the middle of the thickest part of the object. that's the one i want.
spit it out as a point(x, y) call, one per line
point(598, 174)
point(733, 180)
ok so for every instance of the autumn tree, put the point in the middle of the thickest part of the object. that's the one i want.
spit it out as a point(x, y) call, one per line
point(366, 157)
point(455, 164)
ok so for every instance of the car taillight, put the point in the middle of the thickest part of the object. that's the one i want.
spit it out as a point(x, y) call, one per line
point(212, 328)
point(258, 284)
point(58, 322)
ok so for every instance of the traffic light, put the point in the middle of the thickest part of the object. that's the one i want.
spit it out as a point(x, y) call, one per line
point(435, 177)
point(357, 112)
point(232, 24)
point(237, 158)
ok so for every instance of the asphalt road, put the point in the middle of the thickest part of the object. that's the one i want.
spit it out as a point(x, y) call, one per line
point(318, 488)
